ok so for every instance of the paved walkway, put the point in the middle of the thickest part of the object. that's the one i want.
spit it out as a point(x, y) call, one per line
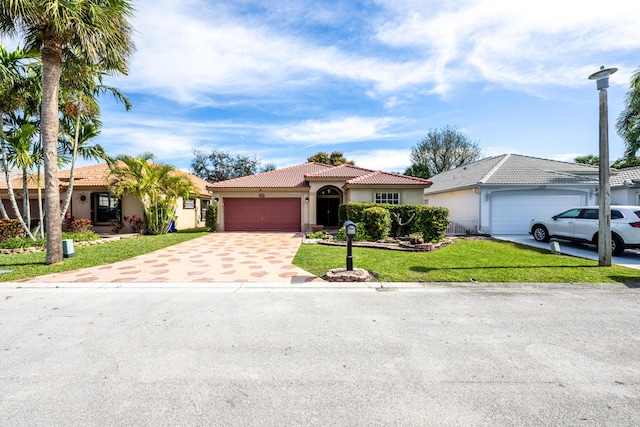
point(216, 257)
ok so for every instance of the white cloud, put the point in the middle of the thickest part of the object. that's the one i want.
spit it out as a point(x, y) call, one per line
point(318, 132)
point(382, 159)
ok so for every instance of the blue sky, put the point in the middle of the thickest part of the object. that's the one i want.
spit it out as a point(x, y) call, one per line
point(282, 80)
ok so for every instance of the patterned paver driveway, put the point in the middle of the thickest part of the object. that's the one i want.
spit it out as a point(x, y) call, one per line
point(216, 257)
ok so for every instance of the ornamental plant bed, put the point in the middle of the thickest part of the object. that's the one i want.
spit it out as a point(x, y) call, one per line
point(391, 244)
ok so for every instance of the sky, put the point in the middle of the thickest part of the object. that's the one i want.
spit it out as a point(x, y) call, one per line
point(281, 80)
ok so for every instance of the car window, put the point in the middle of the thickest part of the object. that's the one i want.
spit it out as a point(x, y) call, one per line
point(637, 213)
point(571, 213)
point(590, 213)
point(616, 214)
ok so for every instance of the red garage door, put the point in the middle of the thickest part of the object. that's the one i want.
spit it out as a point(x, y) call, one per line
point(262, 214)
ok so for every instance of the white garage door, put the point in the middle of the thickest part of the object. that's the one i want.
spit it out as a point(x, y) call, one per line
point(512, 213)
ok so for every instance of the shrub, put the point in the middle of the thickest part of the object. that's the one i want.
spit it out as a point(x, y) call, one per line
point(377, 222)
point(432, 222)
point(21, 242)
point(135, 222)
point(10, 228)
point(361, 234)
point(81, 235)
point(211, 217)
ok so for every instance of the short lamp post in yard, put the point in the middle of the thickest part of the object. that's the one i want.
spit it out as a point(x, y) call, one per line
point(604, 194)
point(350, 231)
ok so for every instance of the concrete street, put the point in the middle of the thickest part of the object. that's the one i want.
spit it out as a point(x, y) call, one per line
point(252, 355)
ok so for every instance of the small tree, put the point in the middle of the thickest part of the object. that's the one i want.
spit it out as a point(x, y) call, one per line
point(211, 216)
point(336, 158)
point(444, 149)
point(220, 166)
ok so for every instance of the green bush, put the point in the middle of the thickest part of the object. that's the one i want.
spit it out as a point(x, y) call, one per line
point(21, 242)
point(361, 234)
point(211, 217)
point(432, 222)
point(81, 235)
point(10, 228)
point(377, 222)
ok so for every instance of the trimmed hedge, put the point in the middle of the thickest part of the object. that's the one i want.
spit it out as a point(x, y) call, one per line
point(211, 216)
point(377, 222)
point(431, 221)
point(10, 228)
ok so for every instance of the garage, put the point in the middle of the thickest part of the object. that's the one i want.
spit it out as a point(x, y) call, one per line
point(512, 211)
point(262, 214)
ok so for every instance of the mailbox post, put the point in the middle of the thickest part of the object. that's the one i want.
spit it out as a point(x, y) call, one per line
point(350, 230)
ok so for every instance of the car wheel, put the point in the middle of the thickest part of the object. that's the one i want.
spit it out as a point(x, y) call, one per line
point(540, 233)
point(617, 247)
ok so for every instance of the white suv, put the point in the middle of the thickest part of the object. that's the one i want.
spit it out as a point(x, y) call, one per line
point(581, 225)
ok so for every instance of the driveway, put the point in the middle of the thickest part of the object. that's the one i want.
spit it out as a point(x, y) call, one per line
point(630, 258)
point(216, 257)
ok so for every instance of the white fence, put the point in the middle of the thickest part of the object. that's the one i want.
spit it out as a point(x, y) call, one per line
point(462, 226)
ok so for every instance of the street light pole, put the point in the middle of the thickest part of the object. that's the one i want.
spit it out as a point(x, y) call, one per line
point(604, 194)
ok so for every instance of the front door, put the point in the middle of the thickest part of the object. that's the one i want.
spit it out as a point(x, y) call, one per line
point(327, 214)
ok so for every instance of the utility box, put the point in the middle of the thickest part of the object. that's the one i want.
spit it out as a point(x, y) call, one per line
point(67, 248)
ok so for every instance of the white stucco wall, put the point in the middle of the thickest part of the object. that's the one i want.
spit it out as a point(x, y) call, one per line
point(625, 196)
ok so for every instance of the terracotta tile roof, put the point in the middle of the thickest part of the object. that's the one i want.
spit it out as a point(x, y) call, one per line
point(386, 178)
point(91, 177)
point(291, 177)
point(297, 176)
point(341, 172)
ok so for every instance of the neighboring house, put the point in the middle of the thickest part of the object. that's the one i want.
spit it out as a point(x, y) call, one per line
point(294, 198)
point(501, 194)
point(91, 199)
point(625, 186)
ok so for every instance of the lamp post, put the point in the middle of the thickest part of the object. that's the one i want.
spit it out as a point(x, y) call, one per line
point(604, 195)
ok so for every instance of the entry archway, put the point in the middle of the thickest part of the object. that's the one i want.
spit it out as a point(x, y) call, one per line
point(328, 201)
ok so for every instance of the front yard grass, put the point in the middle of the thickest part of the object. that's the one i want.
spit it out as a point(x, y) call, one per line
point(23, 266)
point(464, 261)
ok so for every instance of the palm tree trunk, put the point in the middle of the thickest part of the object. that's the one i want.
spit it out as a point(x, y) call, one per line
point(3, 211)
point(26, 208)
point(72, 172)
point(40, 210)
point(51, 70)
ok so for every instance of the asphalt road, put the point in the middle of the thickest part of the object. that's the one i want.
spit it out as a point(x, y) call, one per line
point(510, 354)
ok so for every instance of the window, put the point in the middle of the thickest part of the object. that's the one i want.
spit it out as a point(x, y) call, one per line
point(105, 208)
point(204, 204)
point(390, 198)
point(190, 204)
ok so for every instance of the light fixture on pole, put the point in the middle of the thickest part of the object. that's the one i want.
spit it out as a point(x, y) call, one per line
point(604, 194)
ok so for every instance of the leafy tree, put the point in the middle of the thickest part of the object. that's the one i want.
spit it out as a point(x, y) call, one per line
point(220, 166)
point(418, 171)
point(444, 149)
point(156, 186)
point(625, 162)
point(100, 29)
point(589, 159)
point(336, 158)
point(628, 123)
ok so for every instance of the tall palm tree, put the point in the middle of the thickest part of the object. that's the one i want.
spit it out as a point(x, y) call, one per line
point(79, 145)
point(20, 154)
point(100, 29)
point(628, 123)
point(13, 90)
point(156, 186)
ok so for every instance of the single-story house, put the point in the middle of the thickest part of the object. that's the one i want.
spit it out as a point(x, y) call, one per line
point(501, 194)
point(296, 197)
point(91, 199)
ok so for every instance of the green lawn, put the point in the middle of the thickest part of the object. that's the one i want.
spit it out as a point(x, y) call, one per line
point(33, 264)
point(464, 260)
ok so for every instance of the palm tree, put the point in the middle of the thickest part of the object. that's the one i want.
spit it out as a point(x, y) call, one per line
point(20, 154)
point(13, 85)
point(100, 29)
point(628, 123)
point(156, 186)
point(79, 146)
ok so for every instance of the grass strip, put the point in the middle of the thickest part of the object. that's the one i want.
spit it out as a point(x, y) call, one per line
point(464, 261)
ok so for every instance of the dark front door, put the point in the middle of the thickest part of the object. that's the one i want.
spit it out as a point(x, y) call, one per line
point(327, 213)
